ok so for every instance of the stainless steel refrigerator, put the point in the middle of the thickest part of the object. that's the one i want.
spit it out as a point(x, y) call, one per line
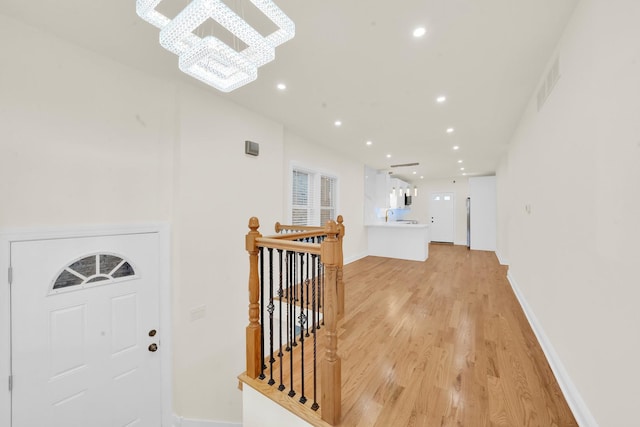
point(468, 222)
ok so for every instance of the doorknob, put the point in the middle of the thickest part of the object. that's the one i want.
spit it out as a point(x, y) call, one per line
point(152, 333)
point(153, 347)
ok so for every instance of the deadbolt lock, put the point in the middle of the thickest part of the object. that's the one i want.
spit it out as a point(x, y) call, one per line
point(152, 333)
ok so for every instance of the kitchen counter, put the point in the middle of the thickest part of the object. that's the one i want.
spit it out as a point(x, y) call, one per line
point(402, 240)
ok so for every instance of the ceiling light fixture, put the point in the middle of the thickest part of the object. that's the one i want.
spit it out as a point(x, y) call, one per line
point(450, 130)
point(441, 99)
point(419, 32)
point(461, 169)
point(337, 123)
point(422, 177)
point(369, 143)
point(455, 147)
point(459, 161)
point(414, 172)
point(281, 86)
point(208, 58)
point(388, 156)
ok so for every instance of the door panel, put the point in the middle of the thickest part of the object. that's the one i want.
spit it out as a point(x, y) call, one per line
point(80, 351)
point(441, 207)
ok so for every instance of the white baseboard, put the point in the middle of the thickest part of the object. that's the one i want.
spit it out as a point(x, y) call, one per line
point(354, 258)
point(502, 260)
point(578, 406)
point(186, 422)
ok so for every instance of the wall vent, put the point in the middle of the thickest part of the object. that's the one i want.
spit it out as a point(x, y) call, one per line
point(548, 83)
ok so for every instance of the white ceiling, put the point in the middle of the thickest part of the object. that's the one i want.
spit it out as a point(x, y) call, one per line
point(358, 62)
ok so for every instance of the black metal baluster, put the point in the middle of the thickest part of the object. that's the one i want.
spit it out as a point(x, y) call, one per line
point(319, 290)
point(307, 281)
point(303, 321)
point(292, 325)
point(288, 291)
point(324, 301)
point(294, 290)
point(314, 259)
point(262, 365)
point(280, 296)
point(270, 309)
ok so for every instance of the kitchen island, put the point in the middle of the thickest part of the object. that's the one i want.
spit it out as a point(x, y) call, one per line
point(400, 240)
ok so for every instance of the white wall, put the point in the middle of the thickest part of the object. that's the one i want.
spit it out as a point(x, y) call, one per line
point(503, 214)
point(482, 191)
point(86, 140)
point(350, 175)
point(83, 141)
point(574, 256)
point(420, 204)
point(218, 189)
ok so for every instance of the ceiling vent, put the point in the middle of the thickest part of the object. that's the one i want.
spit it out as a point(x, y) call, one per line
point(549, 83)
point(405, 165)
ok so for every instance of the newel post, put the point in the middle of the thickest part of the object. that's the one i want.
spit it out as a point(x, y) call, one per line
point(254, 358)
point(330, 366)
point(340, 268)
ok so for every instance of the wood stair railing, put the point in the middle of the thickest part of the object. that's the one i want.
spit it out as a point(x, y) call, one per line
point(320, 251)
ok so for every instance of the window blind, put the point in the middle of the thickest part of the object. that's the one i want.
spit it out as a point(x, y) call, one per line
point(300, 194)
point(313, 198)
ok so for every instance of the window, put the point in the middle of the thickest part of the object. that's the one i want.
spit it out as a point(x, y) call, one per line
point(93, 269)
point(313, 197)
point(300, 206)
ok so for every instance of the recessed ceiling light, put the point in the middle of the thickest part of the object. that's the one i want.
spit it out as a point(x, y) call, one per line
point(414, 172)
point(441, 99)
point(464, 174)
point(422, 177)
point(459, 161)
point(450, 130)
point(281, 86)
point(388, 156)
point(338, 123)
point(461, 169)
point(455, 147)
point(369, 142)
point(419, 32)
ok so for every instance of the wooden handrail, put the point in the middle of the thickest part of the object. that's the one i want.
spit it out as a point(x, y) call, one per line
point(298, 235)
point(281, 227)
point(269, 242)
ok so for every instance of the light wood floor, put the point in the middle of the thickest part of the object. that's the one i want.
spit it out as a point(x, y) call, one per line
point(441, 343)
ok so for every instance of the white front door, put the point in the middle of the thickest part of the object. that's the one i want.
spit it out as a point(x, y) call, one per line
point(84, 332)
point(441, 208)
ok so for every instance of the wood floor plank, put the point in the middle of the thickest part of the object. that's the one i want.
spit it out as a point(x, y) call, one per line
point(441, 343)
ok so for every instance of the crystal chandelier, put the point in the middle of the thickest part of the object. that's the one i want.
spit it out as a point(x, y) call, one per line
point(209, 59)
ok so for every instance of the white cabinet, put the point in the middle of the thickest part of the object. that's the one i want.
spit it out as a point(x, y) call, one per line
point(383, 192)
point(383, 187)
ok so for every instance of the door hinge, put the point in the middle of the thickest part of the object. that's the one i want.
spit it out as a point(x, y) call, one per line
point(10, 275)
point(10, 382)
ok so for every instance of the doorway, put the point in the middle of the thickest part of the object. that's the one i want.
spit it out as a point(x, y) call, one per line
point(442, 217)
point(86, 331)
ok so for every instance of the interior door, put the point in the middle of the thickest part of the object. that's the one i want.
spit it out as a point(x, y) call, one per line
point(441, 208)
point(85, 339)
